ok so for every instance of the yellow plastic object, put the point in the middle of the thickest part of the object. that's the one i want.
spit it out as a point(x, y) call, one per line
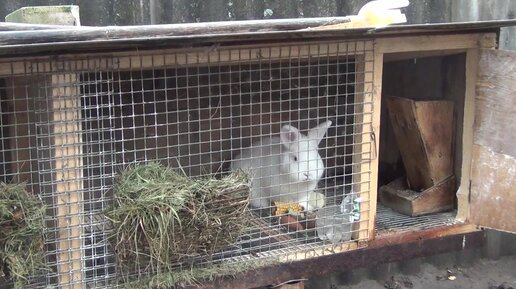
point(378, 13)
point(381, 13)
point(284, 208)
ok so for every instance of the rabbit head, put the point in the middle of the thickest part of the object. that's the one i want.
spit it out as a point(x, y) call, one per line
point(300, 159)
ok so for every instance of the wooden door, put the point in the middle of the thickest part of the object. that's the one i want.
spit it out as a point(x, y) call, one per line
point(493, 175)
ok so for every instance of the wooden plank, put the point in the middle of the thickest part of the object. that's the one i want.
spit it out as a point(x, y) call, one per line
point(399, 56)
point(377, 108)
point(165, 30)
point(463, 207)
point(488, 40)
point(164, 57)
point(303, 254)
point(12, 68)
point(495, 112)
point(428, 43)
point(493, 176)
point(233, 54)
point(454, 90)
point(160, 58)
point(424, 133)
point(67, 145)
point(435, 122)
point(403, 118)
point(493, 193)
point(365, 148)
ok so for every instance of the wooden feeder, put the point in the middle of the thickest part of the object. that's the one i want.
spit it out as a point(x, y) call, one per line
point(424, 134)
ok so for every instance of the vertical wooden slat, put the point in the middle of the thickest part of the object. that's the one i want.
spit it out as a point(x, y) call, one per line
point(488, 41)
point(365, 159)
point(377, 103)
point(467, 134)
point(68, 177)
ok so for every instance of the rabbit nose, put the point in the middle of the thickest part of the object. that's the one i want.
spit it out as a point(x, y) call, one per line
point(307, 175)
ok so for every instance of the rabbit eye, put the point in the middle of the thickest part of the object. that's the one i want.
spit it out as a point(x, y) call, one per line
point(295, 158)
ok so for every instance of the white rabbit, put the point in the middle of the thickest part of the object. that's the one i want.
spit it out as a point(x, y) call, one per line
point(285, 168)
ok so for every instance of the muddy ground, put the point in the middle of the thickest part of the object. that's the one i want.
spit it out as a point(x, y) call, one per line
point(479, 274)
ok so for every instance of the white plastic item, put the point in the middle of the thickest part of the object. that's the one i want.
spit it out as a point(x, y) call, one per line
point(334, 222)
point(380, 13)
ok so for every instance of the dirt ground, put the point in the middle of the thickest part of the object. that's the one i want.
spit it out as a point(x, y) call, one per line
point(482, 274)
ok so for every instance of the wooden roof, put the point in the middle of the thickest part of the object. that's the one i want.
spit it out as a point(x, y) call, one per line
point(26, 39)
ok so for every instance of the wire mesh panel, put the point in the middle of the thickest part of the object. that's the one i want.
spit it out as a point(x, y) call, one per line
point(296, 118)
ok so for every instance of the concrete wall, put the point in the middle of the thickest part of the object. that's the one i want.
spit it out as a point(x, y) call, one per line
point(478, 10)
point(124, 12)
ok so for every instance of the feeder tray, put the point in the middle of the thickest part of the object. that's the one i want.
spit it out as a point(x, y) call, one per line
point(397, 196)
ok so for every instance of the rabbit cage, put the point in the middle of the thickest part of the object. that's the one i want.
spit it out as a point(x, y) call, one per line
point(75, 115)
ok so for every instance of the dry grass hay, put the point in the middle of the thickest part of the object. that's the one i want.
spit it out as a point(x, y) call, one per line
point(162, 218)
point(21, 234)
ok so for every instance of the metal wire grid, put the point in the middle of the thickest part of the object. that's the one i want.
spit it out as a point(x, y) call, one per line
point(389, 221)
point(71, 126)
point(19, 160)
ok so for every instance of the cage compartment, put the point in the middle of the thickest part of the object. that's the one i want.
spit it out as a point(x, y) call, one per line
point(174, 115)
point(421, 78)
point(72, 125)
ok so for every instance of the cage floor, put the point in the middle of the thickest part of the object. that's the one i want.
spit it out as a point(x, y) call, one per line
point(389, 221)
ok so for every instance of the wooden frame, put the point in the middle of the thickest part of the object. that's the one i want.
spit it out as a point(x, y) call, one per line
point(66, 137)
point(422, 46)
point(367, 123)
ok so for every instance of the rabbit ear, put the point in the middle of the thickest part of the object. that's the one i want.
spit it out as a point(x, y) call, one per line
point(317, 133)
point(289, 134)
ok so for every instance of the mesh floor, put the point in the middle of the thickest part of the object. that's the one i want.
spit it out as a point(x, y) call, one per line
point(389, 221)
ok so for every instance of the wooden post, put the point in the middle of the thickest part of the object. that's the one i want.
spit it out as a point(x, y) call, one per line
point(487, 41)
point(23, 88)
point(365, 148)
point(66, 141)
point(67, 138)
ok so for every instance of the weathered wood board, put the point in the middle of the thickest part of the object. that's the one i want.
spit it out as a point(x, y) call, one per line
point(493, 189)
point(423, 132)
point(493, 177)
point(496, 102)
point(409, 142)
point(435, 120)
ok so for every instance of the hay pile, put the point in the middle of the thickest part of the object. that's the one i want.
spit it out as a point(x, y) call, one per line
point(162, 217)
point(21, 234)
